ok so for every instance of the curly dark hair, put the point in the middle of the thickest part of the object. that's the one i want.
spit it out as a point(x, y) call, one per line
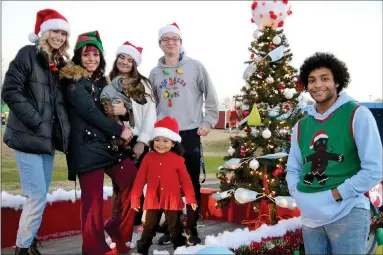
point(177, 148)
point(76, 59)
point(320, 59)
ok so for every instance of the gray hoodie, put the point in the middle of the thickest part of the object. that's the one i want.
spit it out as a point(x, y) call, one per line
point(191, 82)
point(144, 115)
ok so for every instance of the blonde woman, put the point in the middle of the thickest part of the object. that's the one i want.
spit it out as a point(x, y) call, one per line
point(38, 123)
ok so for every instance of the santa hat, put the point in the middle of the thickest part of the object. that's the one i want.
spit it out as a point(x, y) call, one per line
point(320, 134)
point(131, 50)
point(48, 19)
point(87, 38)
point(171, 28)
point(167, 127)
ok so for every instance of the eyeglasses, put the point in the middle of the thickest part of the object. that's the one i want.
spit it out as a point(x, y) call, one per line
point(167, 39)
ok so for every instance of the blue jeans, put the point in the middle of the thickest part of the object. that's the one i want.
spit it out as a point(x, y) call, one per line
point(347, 235)
point(35, 171)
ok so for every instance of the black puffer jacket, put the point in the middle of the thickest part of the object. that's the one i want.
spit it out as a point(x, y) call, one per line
point(91, 129)
point(32, 93)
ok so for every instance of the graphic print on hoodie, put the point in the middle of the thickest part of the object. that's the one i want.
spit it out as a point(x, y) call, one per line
point(180, 90)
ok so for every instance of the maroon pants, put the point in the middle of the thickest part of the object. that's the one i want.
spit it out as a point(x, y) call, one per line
point(92, 223)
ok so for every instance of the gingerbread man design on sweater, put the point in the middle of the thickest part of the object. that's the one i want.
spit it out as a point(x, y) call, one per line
point(319, 159)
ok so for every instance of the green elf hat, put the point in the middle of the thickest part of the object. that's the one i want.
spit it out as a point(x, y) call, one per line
point(92, 37)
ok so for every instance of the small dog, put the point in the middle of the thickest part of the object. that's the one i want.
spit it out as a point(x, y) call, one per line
point(117, 144)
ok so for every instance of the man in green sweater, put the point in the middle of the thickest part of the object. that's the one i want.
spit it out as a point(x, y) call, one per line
point(335, 158)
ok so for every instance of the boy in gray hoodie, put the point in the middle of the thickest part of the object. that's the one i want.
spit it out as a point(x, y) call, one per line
point(181, 84)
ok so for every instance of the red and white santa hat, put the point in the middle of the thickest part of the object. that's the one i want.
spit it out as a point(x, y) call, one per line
point(131, 50)
point(318, 135)
point(167, 127)
point(48, 19)
point(171, 28)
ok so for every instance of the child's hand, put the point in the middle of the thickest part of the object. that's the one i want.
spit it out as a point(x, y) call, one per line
point(137, 209)
point(194, 206)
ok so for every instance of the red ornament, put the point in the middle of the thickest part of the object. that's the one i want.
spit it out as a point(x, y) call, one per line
point(272, 46)
point(238, 108)
point(252, 55)
point(225, 179)
point(280, 24)
point(285, 1)
point(170, 103)
point(289, 12)
point(54, 69)
point(242, 152)
point(245, 113)
point(233, 177)
point(51, 64)
point(277, 171)
point(287, 107)
point(283, 86)
point(254, 5)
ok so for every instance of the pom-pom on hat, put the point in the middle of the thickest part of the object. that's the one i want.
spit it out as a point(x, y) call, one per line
point(131, 50)
point(167, 127)
point(48, 19)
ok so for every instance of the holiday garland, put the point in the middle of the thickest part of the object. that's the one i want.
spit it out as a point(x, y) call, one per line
point(291, 243)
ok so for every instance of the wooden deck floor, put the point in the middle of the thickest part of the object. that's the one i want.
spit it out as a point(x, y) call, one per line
point(72, 245)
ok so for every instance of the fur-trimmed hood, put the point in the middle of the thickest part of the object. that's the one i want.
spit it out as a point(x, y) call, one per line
point(73, 72)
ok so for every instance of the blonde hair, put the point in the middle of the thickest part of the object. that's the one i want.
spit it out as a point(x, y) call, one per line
point(53, 56)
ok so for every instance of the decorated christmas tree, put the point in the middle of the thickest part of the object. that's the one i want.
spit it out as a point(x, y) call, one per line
point(268, 105)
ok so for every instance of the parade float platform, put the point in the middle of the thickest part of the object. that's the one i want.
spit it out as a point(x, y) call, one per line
point(60, 228)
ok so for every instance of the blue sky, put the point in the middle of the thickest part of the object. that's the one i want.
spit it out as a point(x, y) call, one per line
point(218, 33)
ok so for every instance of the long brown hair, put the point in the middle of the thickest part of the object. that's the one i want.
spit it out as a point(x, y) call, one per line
point(53, 55)
point(135, 77)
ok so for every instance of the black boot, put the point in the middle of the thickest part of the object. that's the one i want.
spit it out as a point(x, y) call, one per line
point(143, 248)
point(178, 240)
point(35, 242)
point(32, 250)
point(23, 251)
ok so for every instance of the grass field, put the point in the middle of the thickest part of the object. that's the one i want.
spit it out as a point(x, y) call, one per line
point(215, 147)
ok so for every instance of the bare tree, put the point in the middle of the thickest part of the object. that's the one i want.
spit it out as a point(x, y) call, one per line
point(226, 102)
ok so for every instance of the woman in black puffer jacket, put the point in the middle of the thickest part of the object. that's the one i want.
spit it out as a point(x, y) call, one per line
point(90, 151)
point(38, 123)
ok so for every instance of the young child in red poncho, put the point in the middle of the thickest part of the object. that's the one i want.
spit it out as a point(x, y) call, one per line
point(164, 171)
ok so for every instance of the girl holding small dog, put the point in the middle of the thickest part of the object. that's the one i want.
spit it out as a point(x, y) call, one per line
point(130, 87)
point(164, 171)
